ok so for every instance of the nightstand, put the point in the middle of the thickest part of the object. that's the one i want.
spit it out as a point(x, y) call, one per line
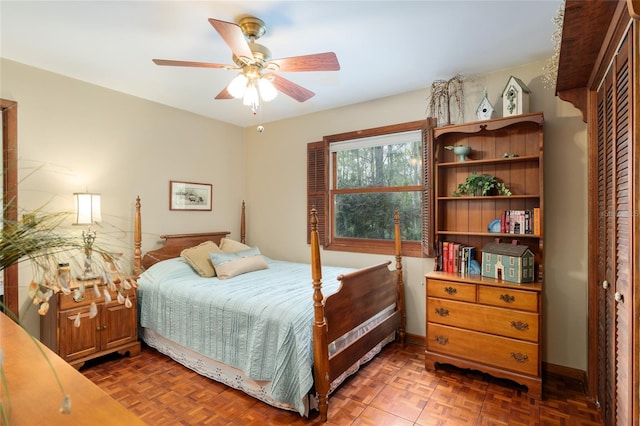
point(113, 329)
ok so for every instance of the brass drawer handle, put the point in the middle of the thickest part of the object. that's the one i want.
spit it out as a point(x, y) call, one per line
point(442, 340)
point(519, 325)
point(520, 357)
point(450, 290)
point(507, 298)
point(442, 312)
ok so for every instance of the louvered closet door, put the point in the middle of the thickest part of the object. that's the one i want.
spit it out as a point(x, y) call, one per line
point(615, 231)
point(606, 335)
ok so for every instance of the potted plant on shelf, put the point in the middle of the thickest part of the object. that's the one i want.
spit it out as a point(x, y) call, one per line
point(484, 184)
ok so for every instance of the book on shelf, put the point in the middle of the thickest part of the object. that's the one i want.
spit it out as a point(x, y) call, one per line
point(445, 256)
point(520, 221)
point(464, 262)
point(454, 257)
point(470, 254)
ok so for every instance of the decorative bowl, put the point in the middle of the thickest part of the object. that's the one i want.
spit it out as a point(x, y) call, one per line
point(461, 151)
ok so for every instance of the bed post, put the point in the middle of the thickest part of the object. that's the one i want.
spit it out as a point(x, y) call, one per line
point(320, 344)
point(401, 307)
point(137, 240)
point(243, 228)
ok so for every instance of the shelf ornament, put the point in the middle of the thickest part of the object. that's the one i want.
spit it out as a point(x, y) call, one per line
point(515, 98)
point(439, 100)
point(460, 151)
point(485, 109)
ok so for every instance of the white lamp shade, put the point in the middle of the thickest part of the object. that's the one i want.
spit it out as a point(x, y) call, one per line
point(237, 86)
point(87, 208)
point(267, 91)
point(251, 95)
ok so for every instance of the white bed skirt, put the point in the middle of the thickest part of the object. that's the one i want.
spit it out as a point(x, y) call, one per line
point(235, 378)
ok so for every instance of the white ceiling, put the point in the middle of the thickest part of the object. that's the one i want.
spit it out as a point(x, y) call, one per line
point(384, 47)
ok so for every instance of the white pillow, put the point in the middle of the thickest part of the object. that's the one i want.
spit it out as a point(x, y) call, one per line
point(229, 264)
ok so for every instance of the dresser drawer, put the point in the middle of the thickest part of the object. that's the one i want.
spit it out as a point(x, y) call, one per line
point(67, 301)
point(509, 298)
point(502, 322)
point(502, 352)
point(451, 290)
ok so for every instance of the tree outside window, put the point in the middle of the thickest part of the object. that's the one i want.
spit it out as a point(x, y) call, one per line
point(367, 176)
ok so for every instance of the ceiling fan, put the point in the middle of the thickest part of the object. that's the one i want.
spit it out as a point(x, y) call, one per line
point(258, 78)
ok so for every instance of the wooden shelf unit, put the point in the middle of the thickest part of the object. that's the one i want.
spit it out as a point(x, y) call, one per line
point(508, 344)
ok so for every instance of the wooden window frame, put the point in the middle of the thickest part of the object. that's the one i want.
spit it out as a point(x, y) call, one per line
point(319, 192)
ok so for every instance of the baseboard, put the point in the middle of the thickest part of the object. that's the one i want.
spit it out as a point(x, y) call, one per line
point(547, 368)
point(414, 339)
point(566, 372)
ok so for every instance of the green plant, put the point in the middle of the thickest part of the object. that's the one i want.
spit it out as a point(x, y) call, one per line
point(484, 184)
point(34, 238)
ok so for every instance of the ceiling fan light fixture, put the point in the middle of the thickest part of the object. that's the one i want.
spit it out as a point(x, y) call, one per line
point(238, 86)
point(251, 96)
point(267, 91)
point(252, 59)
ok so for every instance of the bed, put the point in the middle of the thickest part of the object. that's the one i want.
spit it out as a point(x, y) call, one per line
point(291, 349)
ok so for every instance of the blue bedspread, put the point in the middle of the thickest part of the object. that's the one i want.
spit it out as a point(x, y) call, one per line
point(259, 322)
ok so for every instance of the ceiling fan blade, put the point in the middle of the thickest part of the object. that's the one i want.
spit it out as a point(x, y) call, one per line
point(191, 64)
point(290, 88)
point(233, 36)
point(317, 62)
point(224, 94)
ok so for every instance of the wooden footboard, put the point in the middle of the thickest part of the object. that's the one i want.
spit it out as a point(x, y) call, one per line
point(362, 294)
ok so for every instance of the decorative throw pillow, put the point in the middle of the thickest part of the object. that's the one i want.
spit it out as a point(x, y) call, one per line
point(228, 245)
point(198, 258)
point(228, 264)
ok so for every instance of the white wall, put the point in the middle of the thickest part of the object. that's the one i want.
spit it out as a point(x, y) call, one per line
point(85, 137)
point(276, 203)
point(76, 136)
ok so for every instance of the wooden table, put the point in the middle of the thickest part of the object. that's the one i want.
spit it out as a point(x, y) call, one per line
point(35, 394)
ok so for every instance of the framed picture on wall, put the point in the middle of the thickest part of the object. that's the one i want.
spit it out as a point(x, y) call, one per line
point(190, 196)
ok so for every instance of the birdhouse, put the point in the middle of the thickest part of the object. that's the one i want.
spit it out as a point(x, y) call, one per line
point(508, 262)
point(485, 109)
point(515, 98)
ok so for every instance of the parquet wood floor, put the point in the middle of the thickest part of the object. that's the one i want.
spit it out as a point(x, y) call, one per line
point(393, 389)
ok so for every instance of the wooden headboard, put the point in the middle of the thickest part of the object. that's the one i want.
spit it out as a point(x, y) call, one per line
point(173, 243)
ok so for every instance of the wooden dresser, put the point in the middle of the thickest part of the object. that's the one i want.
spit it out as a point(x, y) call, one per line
point(473, 321)
point(35, 395)
point(487, 325)
point(114, 329)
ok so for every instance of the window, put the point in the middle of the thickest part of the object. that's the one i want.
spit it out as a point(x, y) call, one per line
point(356, 180)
